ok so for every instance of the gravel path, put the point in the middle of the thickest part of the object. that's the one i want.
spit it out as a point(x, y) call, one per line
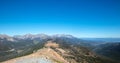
point(35, 60)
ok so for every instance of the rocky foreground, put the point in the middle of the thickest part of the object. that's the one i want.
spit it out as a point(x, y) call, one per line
point(44, 55)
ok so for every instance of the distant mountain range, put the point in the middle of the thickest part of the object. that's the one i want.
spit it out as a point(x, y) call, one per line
point(103, 39)
point(80, 48)
point(44, 36)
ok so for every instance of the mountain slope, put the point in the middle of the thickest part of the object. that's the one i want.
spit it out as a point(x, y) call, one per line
point(62, 48)
point(110, 50)
point(47, 53)
point(56, 53)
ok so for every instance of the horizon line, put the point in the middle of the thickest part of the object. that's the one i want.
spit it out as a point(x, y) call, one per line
point(55, 34)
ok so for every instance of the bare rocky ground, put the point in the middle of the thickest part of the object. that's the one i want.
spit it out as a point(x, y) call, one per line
point(44, 55)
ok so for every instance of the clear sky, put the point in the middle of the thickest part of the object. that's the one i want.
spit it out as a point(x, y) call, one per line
point(81, 18)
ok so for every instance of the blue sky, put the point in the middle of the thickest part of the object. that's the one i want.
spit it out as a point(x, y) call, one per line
point(81, 18)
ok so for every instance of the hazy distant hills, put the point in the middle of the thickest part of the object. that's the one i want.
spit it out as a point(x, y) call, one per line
point(111, 50)
point(103, 39)
point(79, 48)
